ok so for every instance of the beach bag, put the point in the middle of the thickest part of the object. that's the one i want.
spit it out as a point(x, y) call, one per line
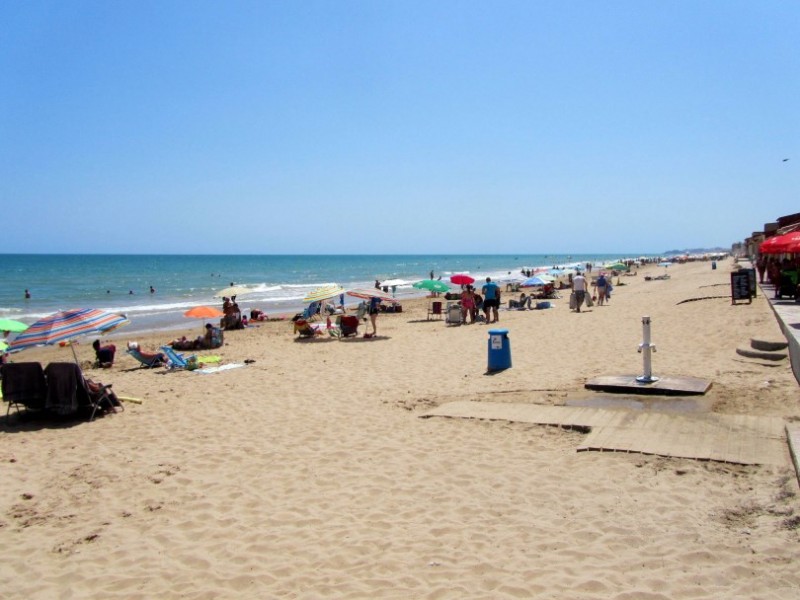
point(573, 301)
point(589, 300)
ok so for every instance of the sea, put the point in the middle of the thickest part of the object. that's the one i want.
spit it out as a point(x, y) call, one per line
point(277, 283)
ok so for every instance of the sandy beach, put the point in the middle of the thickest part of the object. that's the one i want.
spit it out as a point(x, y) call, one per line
point(309, 473)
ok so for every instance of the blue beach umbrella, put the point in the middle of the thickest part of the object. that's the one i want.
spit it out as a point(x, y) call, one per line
point(535, 281)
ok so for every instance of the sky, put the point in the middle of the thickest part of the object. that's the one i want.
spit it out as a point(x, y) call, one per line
point(396, 127)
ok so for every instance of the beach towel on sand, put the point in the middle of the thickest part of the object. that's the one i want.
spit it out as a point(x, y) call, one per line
point(211, 370)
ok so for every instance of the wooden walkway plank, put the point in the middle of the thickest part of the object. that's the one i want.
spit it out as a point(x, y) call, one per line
point(737, 439)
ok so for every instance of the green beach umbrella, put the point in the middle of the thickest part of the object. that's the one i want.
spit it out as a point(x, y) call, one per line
point(617, 267)
point(12, 325)
point(431, 285)
point(3, 346)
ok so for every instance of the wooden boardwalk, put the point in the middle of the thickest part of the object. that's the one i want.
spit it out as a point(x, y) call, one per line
point(739, 439)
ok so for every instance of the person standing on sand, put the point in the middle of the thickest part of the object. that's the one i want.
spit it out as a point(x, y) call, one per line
point(579, 286)
point(374, 309)
point(601, 289)
point(491, 299)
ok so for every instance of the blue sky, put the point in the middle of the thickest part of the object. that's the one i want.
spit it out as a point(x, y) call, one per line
point(396, 127)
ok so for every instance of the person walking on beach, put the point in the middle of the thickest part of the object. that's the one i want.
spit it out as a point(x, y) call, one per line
point(579, 287)
point(374, 309)
point(491, 299)
point(601, 289)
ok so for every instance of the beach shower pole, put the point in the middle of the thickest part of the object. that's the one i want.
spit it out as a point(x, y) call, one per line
point(646, 348)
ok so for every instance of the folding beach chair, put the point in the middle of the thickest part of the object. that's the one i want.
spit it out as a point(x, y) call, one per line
point(310, 313)
point(305, 329)
point(435, 310)
point(68, 392)
point(175, 360)
point(146, 362)
point(23, 385)
point(348, 325)
point(453, 316)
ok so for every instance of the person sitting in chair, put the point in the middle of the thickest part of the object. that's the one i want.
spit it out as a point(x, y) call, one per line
point(104, 354)
point(157, 358)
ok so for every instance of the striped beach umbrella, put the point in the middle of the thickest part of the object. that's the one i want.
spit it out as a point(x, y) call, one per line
point(367, 293)
point(324, 293)
point(67, 325)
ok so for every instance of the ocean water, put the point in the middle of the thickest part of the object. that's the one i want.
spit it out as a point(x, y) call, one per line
point(121, 283)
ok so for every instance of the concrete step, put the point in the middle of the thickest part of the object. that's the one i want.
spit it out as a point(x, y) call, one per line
point(768, 345)
point(761, 354)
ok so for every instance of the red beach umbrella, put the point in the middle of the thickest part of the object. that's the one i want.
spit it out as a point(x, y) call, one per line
point(462, 279)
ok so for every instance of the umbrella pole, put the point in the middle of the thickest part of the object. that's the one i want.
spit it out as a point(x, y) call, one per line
point(74, 354)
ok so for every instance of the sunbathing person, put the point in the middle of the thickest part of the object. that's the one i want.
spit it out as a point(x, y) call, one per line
point(257, 315)
point(156, 358)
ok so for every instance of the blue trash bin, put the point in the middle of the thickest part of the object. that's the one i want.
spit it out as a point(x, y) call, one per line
point(499, 350)
point(713, 265)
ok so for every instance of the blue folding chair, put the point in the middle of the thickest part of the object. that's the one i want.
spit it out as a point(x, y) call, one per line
point(310, 313)
point(177, 360)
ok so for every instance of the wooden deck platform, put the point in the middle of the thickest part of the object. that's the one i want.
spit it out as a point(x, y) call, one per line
point(738, 439)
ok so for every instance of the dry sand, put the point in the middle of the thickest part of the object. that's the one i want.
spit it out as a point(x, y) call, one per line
point(308, 474)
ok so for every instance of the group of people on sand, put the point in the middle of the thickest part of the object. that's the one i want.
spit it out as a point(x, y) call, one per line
point(212, 338)
point(488, 301)
point(580, 291)
point(232, 315)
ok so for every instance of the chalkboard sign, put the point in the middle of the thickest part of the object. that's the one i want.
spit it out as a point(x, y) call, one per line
point(751, 273)
point(740, 286)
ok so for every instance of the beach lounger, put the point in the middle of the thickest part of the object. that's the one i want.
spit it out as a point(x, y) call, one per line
point(23, 385)
point(146, 362)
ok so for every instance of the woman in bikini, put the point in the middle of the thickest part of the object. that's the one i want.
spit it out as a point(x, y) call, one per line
point(468, 304)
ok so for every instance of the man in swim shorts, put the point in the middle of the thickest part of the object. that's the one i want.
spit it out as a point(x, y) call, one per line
point(491, 299)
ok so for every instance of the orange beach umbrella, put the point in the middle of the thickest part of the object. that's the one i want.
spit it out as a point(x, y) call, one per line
point(203, 312)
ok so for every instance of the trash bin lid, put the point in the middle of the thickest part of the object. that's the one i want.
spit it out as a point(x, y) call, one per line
point(498, 332)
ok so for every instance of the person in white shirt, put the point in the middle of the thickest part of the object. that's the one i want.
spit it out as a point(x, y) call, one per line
point(579, 286)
